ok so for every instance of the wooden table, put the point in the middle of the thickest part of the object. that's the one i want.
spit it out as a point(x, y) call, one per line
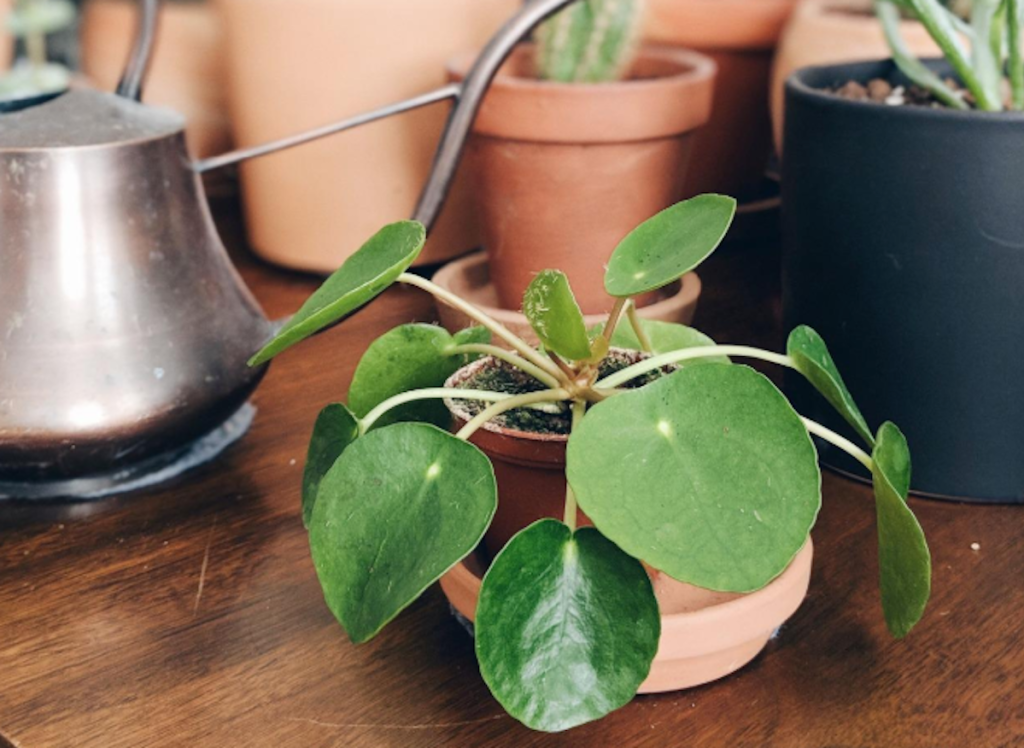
point(190, 615)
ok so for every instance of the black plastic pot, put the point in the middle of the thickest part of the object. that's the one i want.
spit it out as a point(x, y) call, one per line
point(904, 248)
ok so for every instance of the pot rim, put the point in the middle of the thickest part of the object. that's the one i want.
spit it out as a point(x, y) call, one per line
point(806, 84)
point(470, 370)
point(668, 105)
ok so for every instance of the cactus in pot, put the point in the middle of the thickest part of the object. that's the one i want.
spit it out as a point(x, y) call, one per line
point(593, 41)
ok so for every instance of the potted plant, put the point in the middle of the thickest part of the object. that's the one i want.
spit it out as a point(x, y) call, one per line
point(704, 473)
point(731, 154)
point(187, 73)
point(34, 78)
point(297, 64)
point(822, 32)
point(580, 137)
point(903, 240)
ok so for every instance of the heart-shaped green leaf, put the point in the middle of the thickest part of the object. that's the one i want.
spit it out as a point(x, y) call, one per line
point(666, 337)
point(407, 358)
point(665, 248)
point(708, 475)
point(904, 561)
point(555, 316)
point(400, 507)
point(812, 359)
point(334, 430)
point(566, 627)
point(363, 277)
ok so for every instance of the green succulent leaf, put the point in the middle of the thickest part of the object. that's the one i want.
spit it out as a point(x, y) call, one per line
point(555, 316)
point(40, 17)
point(708, 475)
point(410, 357)
point(904, 561)
point(567, 627)
point(666, 337)
point(400, 507)
point(812, 359)
point(663, 249)
point(335, 429)
point(363, 277)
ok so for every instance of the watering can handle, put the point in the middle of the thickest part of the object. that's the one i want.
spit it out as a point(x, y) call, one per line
point(469, 95)
point(130, 85)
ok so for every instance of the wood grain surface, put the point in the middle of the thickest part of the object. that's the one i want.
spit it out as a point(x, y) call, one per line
point(190, 615)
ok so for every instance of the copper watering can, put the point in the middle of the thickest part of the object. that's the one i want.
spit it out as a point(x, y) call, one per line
point(124, 329)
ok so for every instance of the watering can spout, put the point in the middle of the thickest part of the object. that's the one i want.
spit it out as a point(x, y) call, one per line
point(468, 97)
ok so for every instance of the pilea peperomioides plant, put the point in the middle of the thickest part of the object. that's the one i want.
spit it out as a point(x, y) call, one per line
point(706, 473)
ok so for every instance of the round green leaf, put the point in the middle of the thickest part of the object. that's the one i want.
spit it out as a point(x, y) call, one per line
point(363, 277)
point(407, 358)
point(812, 359)
point(904, 561)
point(666, 337)
point(334, 430)
point(555, 316)
point(708, 475)
point(400, 507)
point(665, 248)
point(567, 627)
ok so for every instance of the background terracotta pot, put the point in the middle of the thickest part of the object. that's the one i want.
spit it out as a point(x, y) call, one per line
point(296, 64)
point(732, 152)
point(823, 32)
point(563, 172)
point(187, 72)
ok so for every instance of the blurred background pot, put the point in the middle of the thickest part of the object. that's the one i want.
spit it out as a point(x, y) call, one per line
point(563, 172)
point(732, 152)
point(904, 248)
point(823, 32)
point(188, 69)
point(295, 64)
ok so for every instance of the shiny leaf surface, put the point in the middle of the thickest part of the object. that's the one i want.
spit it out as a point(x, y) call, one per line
point(555, 316)
point(335, 429)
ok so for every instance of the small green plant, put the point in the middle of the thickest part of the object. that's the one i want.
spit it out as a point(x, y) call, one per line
point(706, 473)
point(31, 21)
point(993, 31)
point(592, 41)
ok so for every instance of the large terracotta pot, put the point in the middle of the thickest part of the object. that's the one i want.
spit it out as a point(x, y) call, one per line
point(823, 32)
point(187, 71)
point(562, 172)
point(705, 635)
point(296, 64)
point(732, 152)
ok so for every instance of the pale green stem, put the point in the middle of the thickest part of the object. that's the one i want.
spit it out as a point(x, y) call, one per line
point(579, 408)
point(518, 401)
point(841, 442)
point(689, 354)
point(509, 357)
point(446, 297)
point(638, 328)
point(613, 319)
point(984, 58)
point(435, 393)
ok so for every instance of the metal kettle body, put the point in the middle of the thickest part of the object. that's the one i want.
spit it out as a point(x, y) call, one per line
point(124, 328)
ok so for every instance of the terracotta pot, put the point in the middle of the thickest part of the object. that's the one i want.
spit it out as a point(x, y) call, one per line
point(187, 72)
point(296, 64)
point(470, 279)
point(823, 32)
point(731, 153)
point(705, 635)
point(6, 40)
point(563, 172)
